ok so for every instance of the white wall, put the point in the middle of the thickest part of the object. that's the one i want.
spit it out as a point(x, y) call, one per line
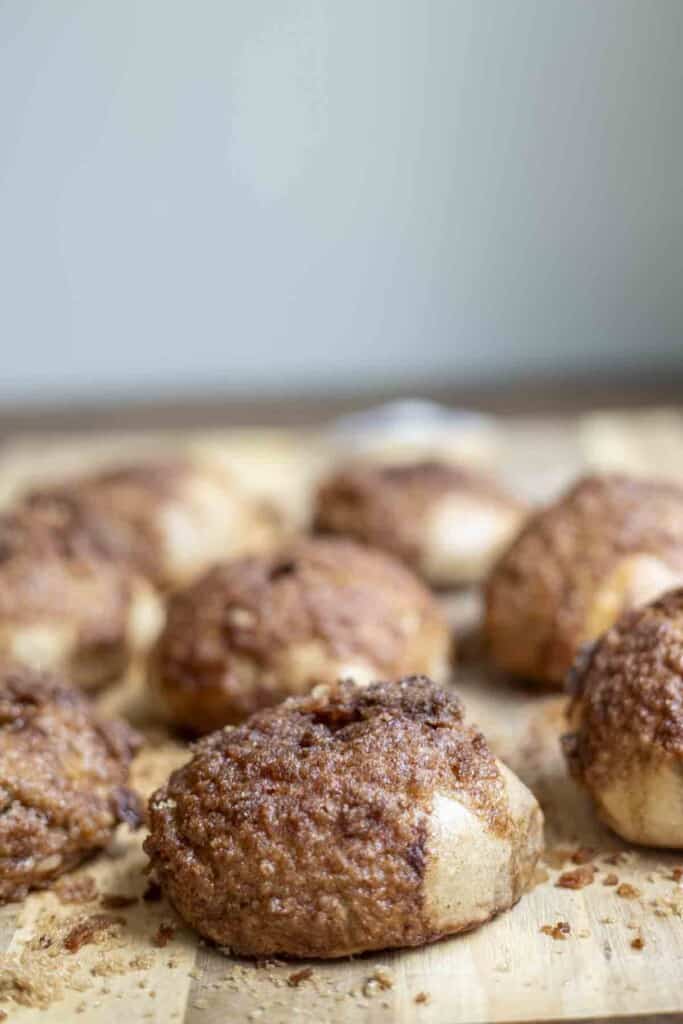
point(262, 193)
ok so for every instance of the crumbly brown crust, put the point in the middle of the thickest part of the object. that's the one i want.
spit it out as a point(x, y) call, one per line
point(63, 776)
point(385, 506)
point(627, 702)
point(540, 592)
point(52, 569)
point(356, 602)
point(302, 832)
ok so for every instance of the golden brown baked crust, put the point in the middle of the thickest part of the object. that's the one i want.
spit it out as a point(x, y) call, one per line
point(570, 572)
point(63, 776)
point(54, 576)
point(627, 694)
point(304, 831)
point(386, 505)
point(231, 640)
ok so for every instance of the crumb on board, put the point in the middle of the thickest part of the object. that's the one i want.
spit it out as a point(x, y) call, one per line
point(297, 977)
point(669, 906)
point(579, 878)
point(141, 962)
point(108, 966)
point(583, 855)
point(611, 879)
point(561, 930)
point(638, 942)
point(379, 981)
point(628, 891)
point(677, 874)
point(163, 934)
point(619, 857)
point(422, 998)
point(89, 929)
point(42, 970)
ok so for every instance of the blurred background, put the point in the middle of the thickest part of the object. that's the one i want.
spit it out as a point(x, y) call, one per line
point(230, 205)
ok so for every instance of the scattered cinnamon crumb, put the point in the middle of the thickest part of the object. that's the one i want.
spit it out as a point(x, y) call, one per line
point(638, 942)
point(422, 997)
point(560, 930)
point(383, 978)
point(628, 891)
point(141, 962)
point(615, 858)
point(583, 855)
point(295, 979)
point(579, 878)
point(76, 890)
point(87, 931)
point(163, 934)
point(379, 981)
point(117, 901)
point(611, 879)
point(677, 874)
point(108, 966)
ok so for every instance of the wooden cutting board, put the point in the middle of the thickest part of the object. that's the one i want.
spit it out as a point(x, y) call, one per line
point(619, 950)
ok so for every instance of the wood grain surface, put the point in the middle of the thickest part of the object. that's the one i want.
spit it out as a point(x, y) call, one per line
point(622, 957)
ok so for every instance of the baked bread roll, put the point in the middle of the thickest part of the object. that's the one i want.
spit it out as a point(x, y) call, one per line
point(610, 543)
point(169, 519)
point(65, 606)
point(63, 780)
point(256, 630)
point(446, 522)
point(626, 714)
point(353, 819)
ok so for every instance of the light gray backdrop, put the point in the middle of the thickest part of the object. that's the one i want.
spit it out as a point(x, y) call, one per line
point(331, 193)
